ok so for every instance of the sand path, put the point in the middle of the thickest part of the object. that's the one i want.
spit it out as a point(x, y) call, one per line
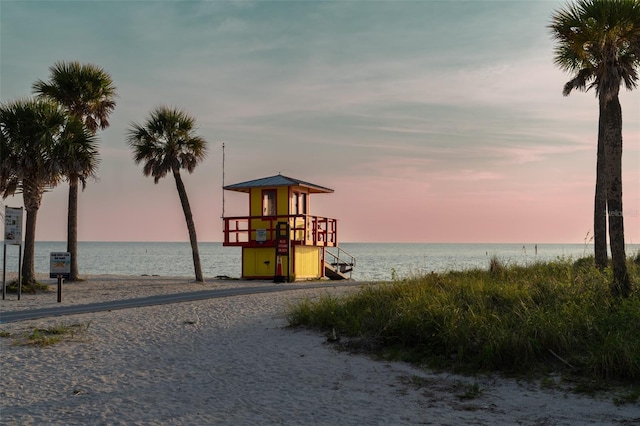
point(233, 361)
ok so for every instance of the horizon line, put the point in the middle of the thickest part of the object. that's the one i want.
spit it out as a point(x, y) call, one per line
point(344, 242)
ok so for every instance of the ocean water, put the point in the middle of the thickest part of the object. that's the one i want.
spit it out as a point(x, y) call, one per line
point(374, 261)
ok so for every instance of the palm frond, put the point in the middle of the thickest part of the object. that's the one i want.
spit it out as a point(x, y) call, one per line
point(166, 142)
point(599, 42)
point(85, 90)
point(32, 130)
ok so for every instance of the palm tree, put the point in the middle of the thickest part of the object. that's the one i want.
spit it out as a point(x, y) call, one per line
point(86, 92)
point(167, 143)
point(599, 42)
point(32, 132)
point(79, 158)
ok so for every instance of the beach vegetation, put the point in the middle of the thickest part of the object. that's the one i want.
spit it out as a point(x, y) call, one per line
point(549, 382)
point(542, 319)
point(598, 42)
point(630, 396)
point(32, 132)
point(496, 266)
point(32, 287)
point(47, 336)
point(167, 143)
point(86, 92)
point(469, 391)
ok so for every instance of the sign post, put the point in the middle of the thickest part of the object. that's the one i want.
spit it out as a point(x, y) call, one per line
point(12, 236)
point(4, 270)
point(59, 267)
point(283, 243)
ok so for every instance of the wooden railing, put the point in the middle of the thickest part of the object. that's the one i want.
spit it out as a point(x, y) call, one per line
point(260, 231)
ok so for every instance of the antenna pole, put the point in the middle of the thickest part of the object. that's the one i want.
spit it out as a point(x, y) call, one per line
point(223, 180)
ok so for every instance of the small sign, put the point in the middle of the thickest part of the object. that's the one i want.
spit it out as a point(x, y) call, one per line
point(261, 235)
point(13, 225)
point(60, 264)
point(283, 247)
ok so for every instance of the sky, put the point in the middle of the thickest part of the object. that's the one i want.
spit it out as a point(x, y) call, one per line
point(432, 121)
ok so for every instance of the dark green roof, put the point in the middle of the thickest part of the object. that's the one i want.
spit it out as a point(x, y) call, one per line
point(274, 181)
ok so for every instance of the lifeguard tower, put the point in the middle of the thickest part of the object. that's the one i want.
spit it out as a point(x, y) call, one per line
point(280, 239)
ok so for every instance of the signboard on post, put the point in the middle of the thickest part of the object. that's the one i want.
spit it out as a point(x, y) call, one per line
point(13, 225)
point(12, 236)
point(60, 265)
point(283, 247)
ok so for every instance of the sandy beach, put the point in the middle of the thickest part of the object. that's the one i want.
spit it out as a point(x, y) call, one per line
point(234, 361)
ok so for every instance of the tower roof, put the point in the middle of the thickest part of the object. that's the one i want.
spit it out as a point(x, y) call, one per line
point(277, 180)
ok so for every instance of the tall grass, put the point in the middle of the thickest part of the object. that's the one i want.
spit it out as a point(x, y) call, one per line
point(513, 319)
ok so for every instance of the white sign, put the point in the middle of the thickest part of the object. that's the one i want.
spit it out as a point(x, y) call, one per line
point(13, 225)
point(60, 264)
point(261, 235)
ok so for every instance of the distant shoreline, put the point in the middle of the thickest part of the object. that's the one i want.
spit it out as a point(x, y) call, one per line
point(374, 261)
point(347, 242)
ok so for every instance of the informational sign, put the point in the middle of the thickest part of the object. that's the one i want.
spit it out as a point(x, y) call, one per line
point(283, 247)
point(282, 239)
point(13, 225)
point(60, 264)
point(261, 235)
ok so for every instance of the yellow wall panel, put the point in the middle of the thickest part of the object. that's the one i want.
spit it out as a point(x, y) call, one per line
point(307, 263)
point(261, 262)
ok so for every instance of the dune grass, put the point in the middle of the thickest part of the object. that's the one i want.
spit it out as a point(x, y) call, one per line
point(48, 336)
point(546, 317)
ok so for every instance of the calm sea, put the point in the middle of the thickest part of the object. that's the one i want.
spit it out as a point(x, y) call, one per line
point(374, 261)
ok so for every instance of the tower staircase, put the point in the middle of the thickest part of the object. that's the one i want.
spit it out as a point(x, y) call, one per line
point(338, 264)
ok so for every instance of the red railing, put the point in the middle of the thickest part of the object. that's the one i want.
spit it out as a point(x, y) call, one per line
point(260, 231)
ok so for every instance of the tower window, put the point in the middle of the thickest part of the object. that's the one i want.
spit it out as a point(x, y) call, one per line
point(269, 202)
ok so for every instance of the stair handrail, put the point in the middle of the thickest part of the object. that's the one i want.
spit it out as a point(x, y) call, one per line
point(337, 261)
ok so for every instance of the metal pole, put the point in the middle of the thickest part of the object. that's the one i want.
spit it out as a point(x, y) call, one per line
point(19, 271)
point(222, 179)
point(4, 271)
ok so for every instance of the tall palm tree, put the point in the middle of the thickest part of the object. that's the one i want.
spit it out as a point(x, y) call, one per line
point(88, 93)
point(31, 132)
point(167, 143)
point(79, 159)
point(599, 42)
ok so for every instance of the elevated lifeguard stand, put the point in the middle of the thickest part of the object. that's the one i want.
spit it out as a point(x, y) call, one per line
point(280, 239)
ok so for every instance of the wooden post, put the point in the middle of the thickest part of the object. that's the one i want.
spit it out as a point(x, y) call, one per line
point(59, 288)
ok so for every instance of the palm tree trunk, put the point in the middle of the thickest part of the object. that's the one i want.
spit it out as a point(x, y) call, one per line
point(600, 202)
point(72, 227)
point(32, 198)
point(186, 208)
point(621, 285)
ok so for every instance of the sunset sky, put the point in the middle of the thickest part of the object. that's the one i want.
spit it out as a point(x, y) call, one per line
point(432, 121)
